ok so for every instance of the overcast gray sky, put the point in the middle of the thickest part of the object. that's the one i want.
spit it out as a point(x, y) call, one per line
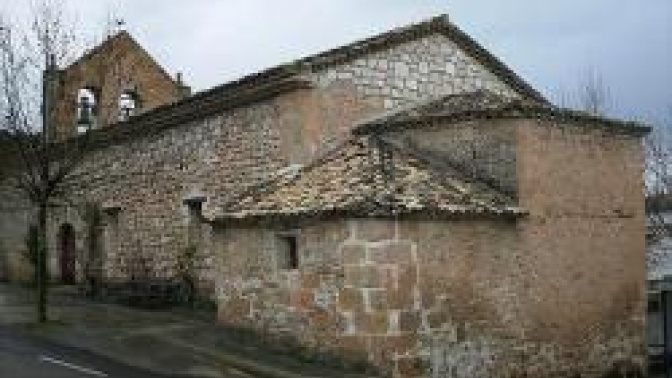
point(550, 43)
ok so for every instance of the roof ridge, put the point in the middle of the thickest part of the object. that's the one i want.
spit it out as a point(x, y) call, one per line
point(508, 108)
point(325, 58)
point(89, 52)
point(109, 41)
point(388, 116)
point(298, 65)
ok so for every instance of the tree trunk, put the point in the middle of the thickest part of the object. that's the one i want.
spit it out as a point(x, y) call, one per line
point(41, 265)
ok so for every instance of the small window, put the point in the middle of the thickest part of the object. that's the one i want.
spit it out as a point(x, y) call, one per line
point(87, 109)
point(195, 208)
point(654, 305)
point(195, 218)
point(129, 104)
point(288, 252)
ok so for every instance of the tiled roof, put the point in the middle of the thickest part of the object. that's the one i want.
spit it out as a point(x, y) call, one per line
point(484, 104)
point(369, 177)
point(477, 101)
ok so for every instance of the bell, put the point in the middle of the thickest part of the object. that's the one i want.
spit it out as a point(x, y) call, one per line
point(128, 103)
point(85, 112)
point(125, 113)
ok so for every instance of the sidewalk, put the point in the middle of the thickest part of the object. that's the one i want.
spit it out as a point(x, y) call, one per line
point(174, 342)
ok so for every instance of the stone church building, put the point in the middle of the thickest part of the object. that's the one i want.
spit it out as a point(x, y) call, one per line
point(407, 200)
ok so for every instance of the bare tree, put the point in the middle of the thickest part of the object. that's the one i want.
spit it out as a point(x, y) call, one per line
point(589, 93)
point(593, 94)
point(40, 165)
point(658, 178)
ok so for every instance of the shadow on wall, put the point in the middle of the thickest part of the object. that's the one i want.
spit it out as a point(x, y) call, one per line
point(15, 265)
point(288, 349)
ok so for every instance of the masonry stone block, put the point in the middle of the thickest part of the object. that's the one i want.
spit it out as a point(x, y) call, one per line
point(373, 230)
point(354, 253)
point(310, 279)
point(401, 298)
point(435, 319)
point(351, 299)
point(409, 321)
point(407, 276)
point(362, 276)
point(376, 299)
point(393, 252)
point(411, 367)
point(372, 322)
point(354, 346)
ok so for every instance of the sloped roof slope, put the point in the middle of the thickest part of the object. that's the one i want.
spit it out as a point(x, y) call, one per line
point(109, 43)
point(369, 177)
point(484, 104)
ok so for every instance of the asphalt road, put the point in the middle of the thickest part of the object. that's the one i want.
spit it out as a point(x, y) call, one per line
point(26, 356)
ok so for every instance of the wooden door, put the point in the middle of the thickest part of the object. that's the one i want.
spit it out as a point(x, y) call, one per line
point(67, 253)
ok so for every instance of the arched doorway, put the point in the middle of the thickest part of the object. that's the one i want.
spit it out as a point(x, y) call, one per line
point(66, 241)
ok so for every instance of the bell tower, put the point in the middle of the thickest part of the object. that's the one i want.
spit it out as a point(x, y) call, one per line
point(110, 84)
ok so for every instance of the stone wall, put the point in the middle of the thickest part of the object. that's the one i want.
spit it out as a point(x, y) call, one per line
point(141, 186)
point(482, 149)
point(14, 221)
point(354, 295)
point(347, 94)
point(461, 298)
point(146, 182)
point(321, 118)
point(413, 71)
point(143, 183)
point(559, 293)
point(583, 186)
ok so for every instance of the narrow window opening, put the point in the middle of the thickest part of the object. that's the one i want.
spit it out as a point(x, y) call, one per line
point(195, 209)
point(654, 303)
point(87, 109)
point(288, 252)
point(195, 219)
point(129, 104)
